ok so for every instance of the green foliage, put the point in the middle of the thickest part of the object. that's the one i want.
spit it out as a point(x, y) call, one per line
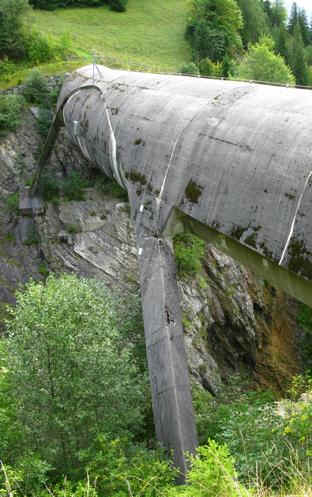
point(209, 68)
point(49, 188)
point(255, 21)
point(267, 439)
point(71, 376)
point(304, 319)
point(117, 5)
point(122, 469)
point(11, 27)
point(189, 251)
point(12, 202)
point(106, 185)
point(72, 187)
point(36, 89)
point(11, 107)
point(213, 29)
point(262, 64)
point(190, 68)
point(296, 57)
point(212, 474)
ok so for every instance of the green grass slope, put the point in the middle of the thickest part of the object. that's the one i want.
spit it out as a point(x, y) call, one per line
point(148, 36)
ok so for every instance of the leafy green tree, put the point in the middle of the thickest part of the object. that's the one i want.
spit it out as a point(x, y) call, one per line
point(213, 29)
point(262, 64)
point(73, 373)
point(11, 24)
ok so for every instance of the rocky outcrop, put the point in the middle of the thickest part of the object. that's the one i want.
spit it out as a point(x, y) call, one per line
point(232, 320)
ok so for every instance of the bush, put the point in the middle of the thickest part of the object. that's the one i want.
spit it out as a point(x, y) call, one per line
point(11, 32)
point(117, 5)
point(121, 469)
point(73, 187)
point(71, 376)
point(11, 107)
point(190, 68)
point(262, 64)
point(209, 68)
point(49, 188)
point(36, 89)
point(189, 251)
point(212, 474)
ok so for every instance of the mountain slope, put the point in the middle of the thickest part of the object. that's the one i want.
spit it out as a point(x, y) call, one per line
point(149, 36)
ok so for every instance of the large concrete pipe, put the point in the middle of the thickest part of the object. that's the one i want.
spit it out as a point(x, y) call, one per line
point(230, 161)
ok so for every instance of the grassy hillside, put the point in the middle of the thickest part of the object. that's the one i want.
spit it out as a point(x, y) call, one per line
point(149, 36)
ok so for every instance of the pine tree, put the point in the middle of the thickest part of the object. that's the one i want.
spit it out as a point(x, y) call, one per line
point(278, 13)
point(304, 25)
point(293, 18)
point(297, 57)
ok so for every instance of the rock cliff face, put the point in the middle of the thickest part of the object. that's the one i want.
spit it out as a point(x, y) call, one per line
point(233, 321)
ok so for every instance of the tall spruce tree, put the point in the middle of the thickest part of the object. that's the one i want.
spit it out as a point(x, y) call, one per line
point(305, 28)
point(293, 18)
point(297, 58)
point(278, 13)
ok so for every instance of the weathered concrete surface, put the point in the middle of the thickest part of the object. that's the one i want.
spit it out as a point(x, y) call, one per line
point(222, 154)
point(234, 156)
point(171, 395)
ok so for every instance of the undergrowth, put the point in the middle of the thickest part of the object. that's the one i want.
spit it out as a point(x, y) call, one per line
point(189, 252)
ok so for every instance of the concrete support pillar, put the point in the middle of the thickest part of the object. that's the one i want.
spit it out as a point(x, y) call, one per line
point(171, 395)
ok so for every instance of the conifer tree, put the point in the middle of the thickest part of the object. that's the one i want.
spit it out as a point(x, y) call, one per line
point(297, 57)
point(304, 25)
point(293, 18)
point(255, 20)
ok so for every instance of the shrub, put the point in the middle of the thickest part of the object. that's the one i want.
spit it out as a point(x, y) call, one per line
point(212, 474)
point(209, 68)
point(73, 187)
point(49, 188)
point(11, 107)
point(269, 445)
point(190, 68)
point(7, 69)
point(122, 469)
point(71, 376)
point(189, 251)
point(118, 5)
point(11, 33)
point(106, 185)
point(12, 202)
point(36, 89)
